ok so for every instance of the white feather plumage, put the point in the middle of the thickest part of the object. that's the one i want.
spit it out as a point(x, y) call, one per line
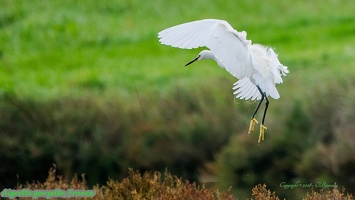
point(252, 64)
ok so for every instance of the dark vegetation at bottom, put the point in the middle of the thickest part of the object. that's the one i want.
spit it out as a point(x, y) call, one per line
point(193, 134)
point(154, 185)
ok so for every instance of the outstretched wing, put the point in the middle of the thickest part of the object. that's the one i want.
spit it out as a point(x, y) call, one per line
point(229, 46)
point(245, 89)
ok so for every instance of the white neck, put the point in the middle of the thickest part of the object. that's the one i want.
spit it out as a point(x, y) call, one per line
point(208, 55)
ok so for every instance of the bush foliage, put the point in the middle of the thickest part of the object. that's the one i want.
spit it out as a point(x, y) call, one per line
point(149, 185)
point(154, 185)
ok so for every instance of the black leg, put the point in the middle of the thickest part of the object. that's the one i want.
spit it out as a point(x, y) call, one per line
point(266, 106)
point(261, 100)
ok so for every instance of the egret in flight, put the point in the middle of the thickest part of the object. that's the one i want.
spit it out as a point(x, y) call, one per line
point(256, 66)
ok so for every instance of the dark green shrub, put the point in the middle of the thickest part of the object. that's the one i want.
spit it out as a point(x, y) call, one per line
point(331, 157)
point(102, 135)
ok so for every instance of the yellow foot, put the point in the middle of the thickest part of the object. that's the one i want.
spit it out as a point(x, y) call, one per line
point(262, 132)
point(252, 125)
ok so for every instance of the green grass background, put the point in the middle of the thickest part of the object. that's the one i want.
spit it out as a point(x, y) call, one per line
point(109, 51)
point(58, 47)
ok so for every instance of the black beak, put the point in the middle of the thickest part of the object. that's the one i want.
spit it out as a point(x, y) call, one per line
point(193, 60)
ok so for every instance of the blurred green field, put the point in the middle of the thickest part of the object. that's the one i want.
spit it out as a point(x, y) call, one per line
point(65, 47)
point(99, 63)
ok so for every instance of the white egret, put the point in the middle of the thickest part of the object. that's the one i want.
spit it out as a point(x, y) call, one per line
point(256, 66)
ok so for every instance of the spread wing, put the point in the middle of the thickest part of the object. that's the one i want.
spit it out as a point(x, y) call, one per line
point(229, 46)
point(245, 89)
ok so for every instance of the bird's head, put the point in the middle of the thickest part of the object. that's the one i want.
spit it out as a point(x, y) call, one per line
point(204, 54)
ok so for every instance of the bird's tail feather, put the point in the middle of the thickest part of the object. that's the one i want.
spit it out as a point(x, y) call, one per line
point(266, 85)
